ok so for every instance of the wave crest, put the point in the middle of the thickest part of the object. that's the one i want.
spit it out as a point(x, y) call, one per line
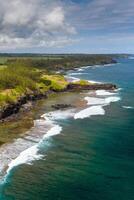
point(93, 110)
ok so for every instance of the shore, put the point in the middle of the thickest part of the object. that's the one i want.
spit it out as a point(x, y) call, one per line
point(77, 91)
point(90, 153)
point(26, 80)
point(25, 148)
point(25, 102)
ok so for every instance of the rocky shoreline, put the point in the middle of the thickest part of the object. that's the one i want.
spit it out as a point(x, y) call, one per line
point(95, 86)
point(25, 102)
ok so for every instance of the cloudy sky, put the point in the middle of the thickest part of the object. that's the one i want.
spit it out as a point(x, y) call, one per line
point(67, 26)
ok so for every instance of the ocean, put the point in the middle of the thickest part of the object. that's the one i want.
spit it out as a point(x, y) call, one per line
point(83, 153)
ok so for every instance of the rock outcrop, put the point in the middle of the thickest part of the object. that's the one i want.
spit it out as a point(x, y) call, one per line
point(61, 106)
point(22, 102)
point(96, 86)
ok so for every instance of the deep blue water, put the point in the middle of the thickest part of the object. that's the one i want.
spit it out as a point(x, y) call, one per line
point(92, 159)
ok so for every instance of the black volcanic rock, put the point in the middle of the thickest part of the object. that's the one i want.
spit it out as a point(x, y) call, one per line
point(61, 106)
point(101, 86)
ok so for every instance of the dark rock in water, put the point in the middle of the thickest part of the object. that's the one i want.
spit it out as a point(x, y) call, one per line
point(27, 106)
point(96, 86)
point(61, 106)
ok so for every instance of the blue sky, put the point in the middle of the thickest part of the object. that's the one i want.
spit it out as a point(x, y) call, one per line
point(67, 26)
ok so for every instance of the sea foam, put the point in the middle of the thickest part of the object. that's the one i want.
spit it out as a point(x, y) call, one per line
point(78, 73)
point(97, 105)
point(71, 78)
point(91, 81)
point(104, 93)
point(59, 115)
point(93, 110)
point(53, 131)
point(26, 156)
point(101, 101)
point(128, 107)
point(32, 153)
point(80, 70)
point(94, 101)
point(108, 100)
point(29, 155)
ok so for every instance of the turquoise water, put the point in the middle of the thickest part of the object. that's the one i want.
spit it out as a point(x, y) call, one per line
point(92, 158)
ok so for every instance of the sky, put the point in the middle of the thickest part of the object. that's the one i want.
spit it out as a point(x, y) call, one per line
point(67, 26)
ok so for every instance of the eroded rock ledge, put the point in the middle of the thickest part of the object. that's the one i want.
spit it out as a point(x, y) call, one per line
point(96, 86)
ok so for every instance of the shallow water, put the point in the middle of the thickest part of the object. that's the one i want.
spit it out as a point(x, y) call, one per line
point(89, 158)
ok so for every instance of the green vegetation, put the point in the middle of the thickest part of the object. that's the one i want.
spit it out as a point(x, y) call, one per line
point(54, 82)
point(82, 82)
point(16, 82)
point(54, 62)
point(24, 74)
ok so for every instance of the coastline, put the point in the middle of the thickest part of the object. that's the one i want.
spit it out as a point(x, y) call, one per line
point(26, 148)
point(25, 102)
point(48, 121)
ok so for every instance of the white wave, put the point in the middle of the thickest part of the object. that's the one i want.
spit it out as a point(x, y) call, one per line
point(104, 93)
point(117, 90)
point(101, 101)
point(110, 64)
point(53, 131)
point(94, 101)
point(30, 152)
point(71, 78)
point(26, 156)
point(75, 79)
point(86, 67)
point(58, 115)
point(95, 66)
point(29, 155)
point(77, 73)
point(91, 81)
point(79, 70)
point(108, 100)
point(128, 107)
point(93, 110)
point(42, 122)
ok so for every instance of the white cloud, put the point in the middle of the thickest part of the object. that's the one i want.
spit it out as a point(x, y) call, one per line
point(27, 23)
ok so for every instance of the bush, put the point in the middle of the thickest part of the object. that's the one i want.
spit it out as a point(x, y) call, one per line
point(46, 82)
point(58, 82)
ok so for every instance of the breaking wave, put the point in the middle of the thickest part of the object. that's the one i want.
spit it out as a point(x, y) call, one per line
point(104, 93)
point(128, 107)
point(93, 110)
point(96, 105)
